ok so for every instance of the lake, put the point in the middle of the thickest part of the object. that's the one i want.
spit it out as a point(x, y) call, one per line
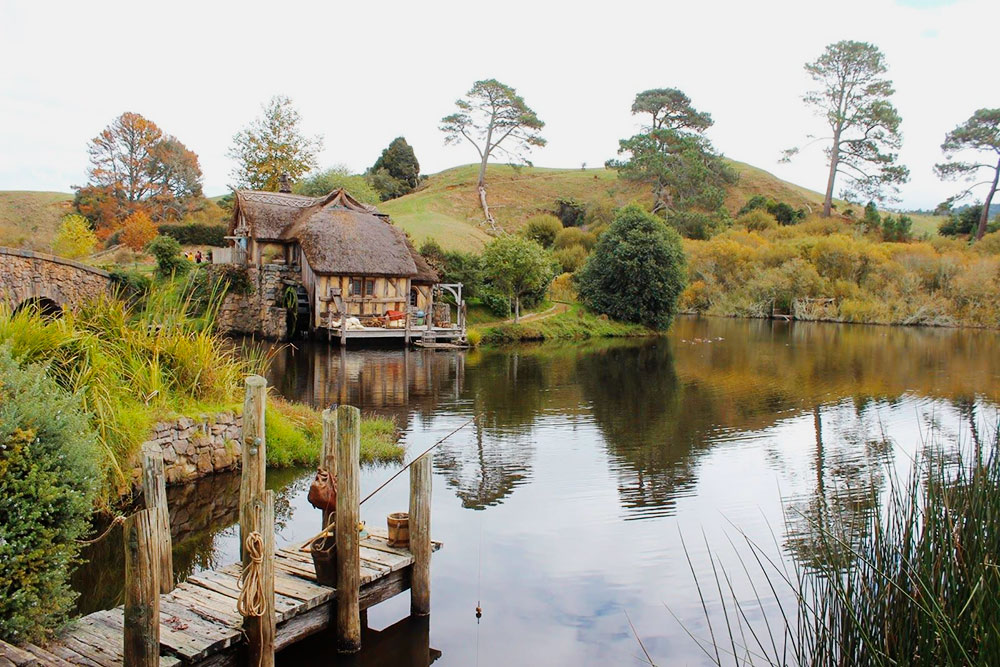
point(604, 479)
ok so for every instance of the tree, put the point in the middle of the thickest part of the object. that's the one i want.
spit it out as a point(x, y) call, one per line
point(672, 154)
point(134, 166)
point(396, 172)
point(517, 266)
point(75, 238)
point(324, 182)
point(980, 133)
point(138, 231)
point(494, 119)
point(273, 145)
point(542, 229)
point(637, 270)
point(854, 98)
point(167, 252)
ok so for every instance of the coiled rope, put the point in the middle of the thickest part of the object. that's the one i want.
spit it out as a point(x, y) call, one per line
point(252, 601)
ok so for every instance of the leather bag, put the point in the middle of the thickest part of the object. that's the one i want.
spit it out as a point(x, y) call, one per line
point(323, 491)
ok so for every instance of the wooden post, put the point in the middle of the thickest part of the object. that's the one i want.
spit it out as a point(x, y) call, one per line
point(343, 328)
point(328, 455)
point(154, 490)
point(142, 589)
point(260, 630)
point(348, 516)
point(420, 535)
point(257, 515)
point(430, 309)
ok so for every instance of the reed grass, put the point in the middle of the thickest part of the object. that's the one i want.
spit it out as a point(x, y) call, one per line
point(915, 583)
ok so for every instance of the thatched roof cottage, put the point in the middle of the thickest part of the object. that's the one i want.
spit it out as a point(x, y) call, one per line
point(352, 260)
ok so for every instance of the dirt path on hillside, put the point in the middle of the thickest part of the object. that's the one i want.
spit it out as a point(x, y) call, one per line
point(530, 317)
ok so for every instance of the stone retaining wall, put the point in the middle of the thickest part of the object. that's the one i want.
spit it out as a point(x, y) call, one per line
point(262, 312)
point(194, 448)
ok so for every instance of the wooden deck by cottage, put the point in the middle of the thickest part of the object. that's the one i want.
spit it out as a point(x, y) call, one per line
point(199, 624)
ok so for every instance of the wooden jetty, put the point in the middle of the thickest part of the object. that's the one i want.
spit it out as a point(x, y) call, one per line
point(199, 622)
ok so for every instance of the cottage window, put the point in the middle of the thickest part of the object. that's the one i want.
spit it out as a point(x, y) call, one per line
point(369, 287)
point(355, 287)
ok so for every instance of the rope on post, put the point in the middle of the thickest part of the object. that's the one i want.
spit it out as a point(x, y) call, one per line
point(252, 600)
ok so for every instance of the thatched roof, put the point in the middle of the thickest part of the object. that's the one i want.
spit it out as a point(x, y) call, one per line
point(337, 233)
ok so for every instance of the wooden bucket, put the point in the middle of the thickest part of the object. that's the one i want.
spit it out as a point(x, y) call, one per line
point(399, 529)
point(324, 555)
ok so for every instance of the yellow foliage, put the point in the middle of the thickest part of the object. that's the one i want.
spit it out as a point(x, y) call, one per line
point(138, 231)
point(75, 238)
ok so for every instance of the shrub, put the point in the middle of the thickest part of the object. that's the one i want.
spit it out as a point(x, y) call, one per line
point(571, 212)
point(898, 229)
point(572, 236)
point(75, 238)
point(138, 230)
point(782, 212)
point(695, 225)
point(167, 252)
point(600, 212)
point(196, 233)
point(542, 229)
point(473, 337)
point(636, 272)
point(48, 478)
point(562, 288)
point(571, 258)
point(130, 285)
point(989, 244)
point(757, 220)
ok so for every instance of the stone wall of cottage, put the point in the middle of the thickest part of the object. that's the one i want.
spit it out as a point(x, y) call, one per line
point(195, 447)
point(25, 275)
point(262, 312)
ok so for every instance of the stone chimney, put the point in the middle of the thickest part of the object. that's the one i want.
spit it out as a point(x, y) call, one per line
point(284, 183)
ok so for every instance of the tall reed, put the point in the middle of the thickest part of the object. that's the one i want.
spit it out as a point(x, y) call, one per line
point(916, 583)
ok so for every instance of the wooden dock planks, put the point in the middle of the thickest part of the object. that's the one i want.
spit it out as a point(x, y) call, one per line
point(198, 619)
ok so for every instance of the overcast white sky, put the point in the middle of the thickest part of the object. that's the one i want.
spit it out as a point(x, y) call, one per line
point(362, 73)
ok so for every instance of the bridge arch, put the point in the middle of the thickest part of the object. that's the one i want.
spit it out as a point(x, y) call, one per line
point(47, 280)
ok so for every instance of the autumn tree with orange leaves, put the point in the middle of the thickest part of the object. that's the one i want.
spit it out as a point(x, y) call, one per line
point(135, 167)
point(137, 231)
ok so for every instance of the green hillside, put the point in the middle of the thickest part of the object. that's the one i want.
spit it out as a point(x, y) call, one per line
point(446, 206)
point(31, 219)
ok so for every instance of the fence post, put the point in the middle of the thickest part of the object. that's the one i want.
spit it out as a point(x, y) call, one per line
point(154, 489)
point(348, 516)
point(328, 455)
point(142, 589)
point(420, 535)
point(257, 515)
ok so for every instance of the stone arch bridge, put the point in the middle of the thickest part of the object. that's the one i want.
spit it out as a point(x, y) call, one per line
point(50, 282)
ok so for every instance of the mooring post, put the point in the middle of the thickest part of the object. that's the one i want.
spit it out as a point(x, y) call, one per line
point(142, 589)
point(259, 622)
point(154, 490)
point(420, 535)
point(328, 455)
point(257, 516)
point(348, 517)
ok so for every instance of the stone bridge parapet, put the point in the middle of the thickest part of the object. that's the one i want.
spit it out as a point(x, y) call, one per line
point(27, 276)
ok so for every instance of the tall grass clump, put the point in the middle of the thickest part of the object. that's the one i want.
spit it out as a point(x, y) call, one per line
point(132, 364)
point(915, 583)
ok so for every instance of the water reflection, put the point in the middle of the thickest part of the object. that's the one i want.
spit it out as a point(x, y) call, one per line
point(564, 506)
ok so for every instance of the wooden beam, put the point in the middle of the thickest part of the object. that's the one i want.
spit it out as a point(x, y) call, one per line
point(154, 490)
point(254, 453)
point(328, 455)
point(420, 534)
point(348, 516)
point(141, 634)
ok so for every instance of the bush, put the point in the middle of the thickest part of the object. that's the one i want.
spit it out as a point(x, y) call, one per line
point(571, 258)
point(572, 236)
point(757, 220)
point(600, 212)
point(48, 479)
point(75, 238)
point(782, 212)
point(696, 225)
point(473, 337)
point(196, 233)
point(167, 252)
point(571, 212)
point(898, 229)
point(130, 285)
point(138, 230)
point(542, 229)
point(636, 272)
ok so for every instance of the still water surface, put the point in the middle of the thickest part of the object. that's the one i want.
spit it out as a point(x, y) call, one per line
point(598, 468)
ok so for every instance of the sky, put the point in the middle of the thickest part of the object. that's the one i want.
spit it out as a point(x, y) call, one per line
point(362, 73)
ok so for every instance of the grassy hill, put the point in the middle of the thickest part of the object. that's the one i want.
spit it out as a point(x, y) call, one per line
point(446, 206)
point(31, 219)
